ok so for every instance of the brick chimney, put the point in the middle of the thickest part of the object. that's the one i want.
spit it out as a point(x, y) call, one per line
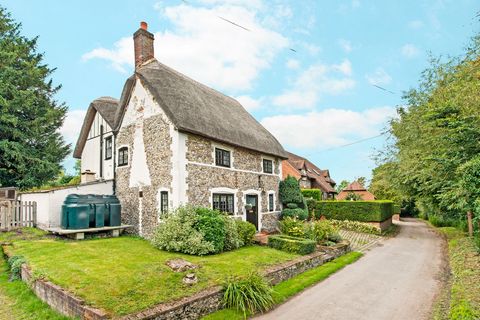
point(143, 44)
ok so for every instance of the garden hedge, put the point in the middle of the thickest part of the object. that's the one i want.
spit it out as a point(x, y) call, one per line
point(396, 209)
point(364, 211)
point(292, 244)
point(312, 193)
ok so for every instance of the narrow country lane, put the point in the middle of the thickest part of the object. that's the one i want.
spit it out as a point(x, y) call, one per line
point(397, 280)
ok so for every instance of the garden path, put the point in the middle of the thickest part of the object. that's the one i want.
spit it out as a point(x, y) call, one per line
point(396, 280)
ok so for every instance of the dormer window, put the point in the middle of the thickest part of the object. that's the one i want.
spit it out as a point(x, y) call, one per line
point(123, 156)
point(267, 166)
point(222, 157)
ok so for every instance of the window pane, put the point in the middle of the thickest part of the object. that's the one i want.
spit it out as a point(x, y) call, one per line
point(267, 166)
point(270, 202)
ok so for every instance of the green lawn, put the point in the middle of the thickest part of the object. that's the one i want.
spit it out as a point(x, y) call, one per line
point(291, 287)
point(126, 274)
point(461, 298)
point(17, 301)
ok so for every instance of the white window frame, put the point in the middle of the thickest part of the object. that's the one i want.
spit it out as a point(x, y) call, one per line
point(271, 192)
point(225, 191)
point(273, 165)
point(129, 156)
point(159, 201)
point(226, 148)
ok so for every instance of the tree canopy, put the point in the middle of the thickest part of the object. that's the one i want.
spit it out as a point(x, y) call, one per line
point(31, 147)
point(435, 136)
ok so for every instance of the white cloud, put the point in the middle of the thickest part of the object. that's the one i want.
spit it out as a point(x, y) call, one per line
point(409, 50)
point(378, 77)
point(332, 127)
point(293, 64)
point(346, 45)
point(72, 125)
point(312, 49)
point(415, 24)
point(249, 103)
point(207, 48)
point(315, 81)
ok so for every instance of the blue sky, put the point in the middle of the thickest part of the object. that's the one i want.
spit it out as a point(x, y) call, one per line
point(305, 69)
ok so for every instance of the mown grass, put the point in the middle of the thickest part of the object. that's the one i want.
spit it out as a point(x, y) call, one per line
point(18, 302)
point(287, 289)
point(126, 274)
point(461, 299)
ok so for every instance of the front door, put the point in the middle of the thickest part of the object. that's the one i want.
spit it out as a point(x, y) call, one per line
point(252, 214)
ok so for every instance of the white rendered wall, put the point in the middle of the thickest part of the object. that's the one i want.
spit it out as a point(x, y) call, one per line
point(91, 150)
point(49, 203)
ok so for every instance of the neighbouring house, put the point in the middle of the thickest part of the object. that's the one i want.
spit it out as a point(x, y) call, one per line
point(358, 189)
point(308, 175)
point(170, 140)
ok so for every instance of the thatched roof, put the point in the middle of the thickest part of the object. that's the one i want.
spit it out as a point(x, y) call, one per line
point(198, 109)
point(107, 107)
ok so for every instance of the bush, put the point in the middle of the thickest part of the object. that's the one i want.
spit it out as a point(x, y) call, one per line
point(311, 204)
point(232, 237)
point(355, 226)
point(291, 244)
point(441, 221)
point(365, 211)
point(246, 232)
point(292, 205)
point(315, 194)
point(252, 294)
point(177, 233)
point(292, 227)
point(289, 191)
point(298, 213)
point(212, 224)
point(396, 209)
point(15, 264)
point(320, 231)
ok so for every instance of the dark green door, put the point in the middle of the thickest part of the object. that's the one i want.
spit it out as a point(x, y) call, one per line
point(252, 214)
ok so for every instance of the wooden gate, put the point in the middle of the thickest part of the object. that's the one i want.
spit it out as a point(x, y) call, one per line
point(17, 214)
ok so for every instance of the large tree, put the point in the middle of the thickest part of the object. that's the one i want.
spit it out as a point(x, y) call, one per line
point(437, 133)
point(31, 147)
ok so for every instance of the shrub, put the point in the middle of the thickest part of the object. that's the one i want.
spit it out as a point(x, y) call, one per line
point(291, 244)
point(15, 264)
point(177, 233)
point(232, 237)
point(292, 227)
point(335, 237)
point(440, 221)
point(289, 191)
point(396, 209)
point(315, 194)
point(298, 213)
point(292, 205)
point(311, 204)
point(365, 211)
point(250, 294)
point(355, 226)
point(246, 232)
point(320, 231)
point(212, 224)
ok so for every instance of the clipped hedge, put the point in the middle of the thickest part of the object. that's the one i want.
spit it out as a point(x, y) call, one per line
point(292, 244)
point(312, 193)
point(364, 211)
point(396, 209)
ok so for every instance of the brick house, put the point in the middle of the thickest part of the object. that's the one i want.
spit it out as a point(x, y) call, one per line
point(170, 140)
point(308, 175)
point(358, 189)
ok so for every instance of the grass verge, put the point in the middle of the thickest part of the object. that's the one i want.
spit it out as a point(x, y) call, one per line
point(287, 289)
point(461, 297)
point(18, 302)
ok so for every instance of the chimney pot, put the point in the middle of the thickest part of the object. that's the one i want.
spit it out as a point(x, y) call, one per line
point(143, 45)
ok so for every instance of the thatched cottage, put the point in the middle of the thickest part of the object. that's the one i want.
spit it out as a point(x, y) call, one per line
point(171, 140)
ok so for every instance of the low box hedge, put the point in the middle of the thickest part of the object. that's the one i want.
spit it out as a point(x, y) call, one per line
point(292, 244)
point(364, 211)
point(312, 193)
